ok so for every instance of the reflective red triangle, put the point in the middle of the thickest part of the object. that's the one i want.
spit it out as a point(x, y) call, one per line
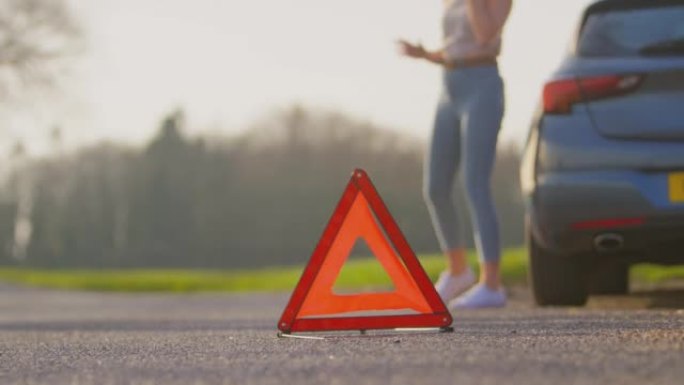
point(314, 306)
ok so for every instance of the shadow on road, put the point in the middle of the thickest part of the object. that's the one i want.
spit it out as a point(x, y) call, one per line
point(138, 326)
point(641, 299)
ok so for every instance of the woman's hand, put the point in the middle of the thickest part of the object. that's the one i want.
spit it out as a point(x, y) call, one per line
point(415, 51)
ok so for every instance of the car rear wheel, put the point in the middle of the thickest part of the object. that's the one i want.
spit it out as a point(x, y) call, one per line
point(556, 280)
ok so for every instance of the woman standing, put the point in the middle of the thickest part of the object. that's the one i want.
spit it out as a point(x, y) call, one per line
point(465, 133)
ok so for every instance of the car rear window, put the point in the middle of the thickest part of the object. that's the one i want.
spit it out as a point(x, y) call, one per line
point(625, 32)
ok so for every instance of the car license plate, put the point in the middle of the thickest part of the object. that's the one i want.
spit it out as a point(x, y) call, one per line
point(676, 182)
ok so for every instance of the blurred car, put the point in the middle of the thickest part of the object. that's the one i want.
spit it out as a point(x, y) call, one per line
point(603, 167)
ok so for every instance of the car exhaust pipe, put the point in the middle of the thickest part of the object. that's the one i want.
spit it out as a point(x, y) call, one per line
point(609, 242)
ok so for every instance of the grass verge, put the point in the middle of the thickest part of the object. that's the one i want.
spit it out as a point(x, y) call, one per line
point(357, 274)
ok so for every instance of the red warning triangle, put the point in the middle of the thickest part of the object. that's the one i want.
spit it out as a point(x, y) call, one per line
point(314, 306)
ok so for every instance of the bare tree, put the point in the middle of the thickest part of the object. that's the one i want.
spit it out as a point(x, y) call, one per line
point(35, 37)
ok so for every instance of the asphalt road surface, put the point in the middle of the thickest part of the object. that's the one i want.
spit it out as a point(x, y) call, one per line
point(49, 337)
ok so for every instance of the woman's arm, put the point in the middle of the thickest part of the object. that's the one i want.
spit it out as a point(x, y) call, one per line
point(488, 17)
point(417, 51)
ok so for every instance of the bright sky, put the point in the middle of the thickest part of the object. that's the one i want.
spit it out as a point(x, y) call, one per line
point(228, 62)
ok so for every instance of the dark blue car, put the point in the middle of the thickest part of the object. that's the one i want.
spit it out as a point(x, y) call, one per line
point(603, 168)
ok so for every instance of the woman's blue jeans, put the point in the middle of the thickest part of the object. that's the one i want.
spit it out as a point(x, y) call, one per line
point(466, 128)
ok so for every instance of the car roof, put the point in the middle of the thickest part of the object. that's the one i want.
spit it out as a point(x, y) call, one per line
point(609, 5)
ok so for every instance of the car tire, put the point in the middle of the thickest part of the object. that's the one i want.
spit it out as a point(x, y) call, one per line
point(556, 280)
point(609, 277)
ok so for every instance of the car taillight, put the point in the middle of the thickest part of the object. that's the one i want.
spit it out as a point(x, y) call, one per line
point(612, 223)
point(561, 95)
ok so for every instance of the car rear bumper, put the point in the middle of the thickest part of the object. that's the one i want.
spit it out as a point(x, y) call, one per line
point(568, 210)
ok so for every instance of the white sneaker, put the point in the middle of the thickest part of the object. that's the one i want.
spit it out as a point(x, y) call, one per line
point(480, 296)
point(450, 286)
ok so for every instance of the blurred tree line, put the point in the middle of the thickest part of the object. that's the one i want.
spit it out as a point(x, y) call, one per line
point(259, 199)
